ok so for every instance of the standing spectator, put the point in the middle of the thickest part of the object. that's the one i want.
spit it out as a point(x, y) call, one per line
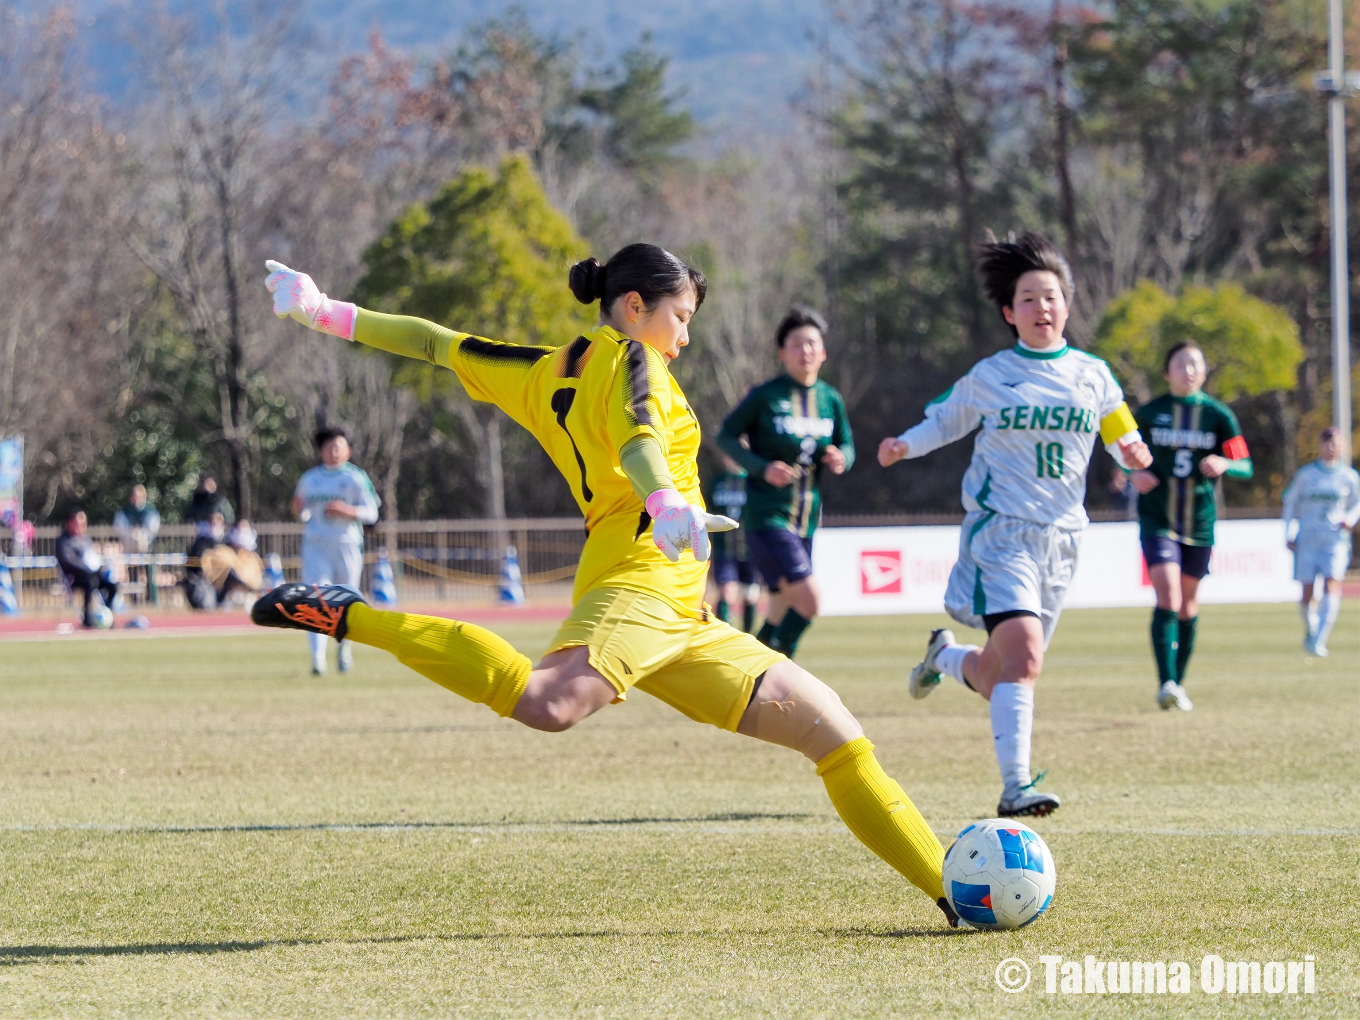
point(334, 499)
point(206, 501)
point(138, 523)
point(82, 567)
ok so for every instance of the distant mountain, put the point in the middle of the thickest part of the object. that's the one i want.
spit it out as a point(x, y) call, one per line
point(738, 61)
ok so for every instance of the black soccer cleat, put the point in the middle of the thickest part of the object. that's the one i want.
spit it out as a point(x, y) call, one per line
point(316, 608)
point(949, 914)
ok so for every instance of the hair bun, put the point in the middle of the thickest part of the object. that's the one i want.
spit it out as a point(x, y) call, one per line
point(587, 281)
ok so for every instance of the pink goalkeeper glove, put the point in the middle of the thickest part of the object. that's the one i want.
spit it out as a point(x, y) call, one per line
point(678, 525)
point(297, 297)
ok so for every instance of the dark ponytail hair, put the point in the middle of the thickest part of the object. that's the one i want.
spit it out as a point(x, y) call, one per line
point(651, 271)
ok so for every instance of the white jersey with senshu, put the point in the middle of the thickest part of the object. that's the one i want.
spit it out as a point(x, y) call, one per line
point(1320, 505)
point(1040, 412)
point(1321, 502)
point(320, 485)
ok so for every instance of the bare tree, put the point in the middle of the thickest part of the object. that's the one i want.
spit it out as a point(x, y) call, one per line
point(210, 166)
point(63, 282)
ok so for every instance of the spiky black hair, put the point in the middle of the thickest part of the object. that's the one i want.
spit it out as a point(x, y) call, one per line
point(1000, 264)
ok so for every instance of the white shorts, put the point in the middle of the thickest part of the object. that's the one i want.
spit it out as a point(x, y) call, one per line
point(326, 562)
point(1328, 556)
point(1006, 564)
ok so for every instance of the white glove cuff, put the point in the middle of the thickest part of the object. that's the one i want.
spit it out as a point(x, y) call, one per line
point(664, 499)
point(336, 318)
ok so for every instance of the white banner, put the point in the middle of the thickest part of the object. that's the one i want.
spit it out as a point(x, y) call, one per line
point(866, 571)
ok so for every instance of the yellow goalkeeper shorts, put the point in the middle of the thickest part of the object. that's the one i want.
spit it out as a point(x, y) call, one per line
point(704, 669)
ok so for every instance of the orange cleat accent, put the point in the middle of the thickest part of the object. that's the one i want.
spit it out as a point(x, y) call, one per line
point(322, 618)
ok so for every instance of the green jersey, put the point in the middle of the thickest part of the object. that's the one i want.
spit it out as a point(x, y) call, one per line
point(785, 421)
point(1181, 432)
point(726, 495)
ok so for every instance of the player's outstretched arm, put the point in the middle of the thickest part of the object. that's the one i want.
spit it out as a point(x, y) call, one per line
point(949, 417)
point(296, 296)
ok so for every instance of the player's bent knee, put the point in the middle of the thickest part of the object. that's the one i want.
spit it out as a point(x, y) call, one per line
point(796, 710)
point(548, 715)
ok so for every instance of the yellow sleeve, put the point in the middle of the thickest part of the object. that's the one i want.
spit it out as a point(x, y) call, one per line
point(489, 370)
point(406, 335)
point(640, 398)
point(1117, 424)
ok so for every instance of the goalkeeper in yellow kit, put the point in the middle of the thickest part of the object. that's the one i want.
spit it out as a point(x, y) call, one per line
point(616, 424)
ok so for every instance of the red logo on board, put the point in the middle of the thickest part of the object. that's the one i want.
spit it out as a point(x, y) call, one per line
point(880, 573)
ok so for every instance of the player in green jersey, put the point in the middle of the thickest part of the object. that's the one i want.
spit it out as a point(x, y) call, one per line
point(794, 428)
point(730, 565)
point(1194, 440)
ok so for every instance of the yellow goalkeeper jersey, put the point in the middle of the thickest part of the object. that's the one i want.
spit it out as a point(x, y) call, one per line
point(583, 402)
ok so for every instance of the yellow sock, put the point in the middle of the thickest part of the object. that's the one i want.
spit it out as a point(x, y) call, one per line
point(465, 658)
point(875, 808)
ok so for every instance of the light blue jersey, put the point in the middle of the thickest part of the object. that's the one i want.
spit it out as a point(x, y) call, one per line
point(319, 485)
point(1321, 503)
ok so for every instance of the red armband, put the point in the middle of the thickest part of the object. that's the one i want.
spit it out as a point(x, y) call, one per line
point(1236, 449)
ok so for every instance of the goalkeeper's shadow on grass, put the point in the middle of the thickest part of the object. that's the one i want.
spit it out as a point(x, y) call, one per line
point(17, 956)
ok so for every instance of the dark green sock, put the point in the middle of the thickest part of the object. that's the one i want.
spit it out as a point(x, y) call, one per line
point(748, 617)
point(1164, 629)
point(766, 633)
point(1185, 646)
point(724, 611)
point(789, 632)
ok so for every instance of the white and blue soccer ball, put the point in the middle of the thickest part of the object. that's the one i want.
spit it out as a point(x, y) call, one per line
point(998, 874)
point(101, 617)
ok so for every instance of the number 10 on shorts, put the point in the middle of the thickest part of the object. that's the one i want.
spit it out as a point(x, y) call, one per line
point(1048, 460)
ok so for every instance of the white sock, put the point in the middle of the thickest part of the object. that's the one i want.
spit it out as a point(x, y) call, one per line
point(346, 653)
point(1012, 728)
point(1331, 609)
point(950, 660)
point(318, 643)
point(1310, 619)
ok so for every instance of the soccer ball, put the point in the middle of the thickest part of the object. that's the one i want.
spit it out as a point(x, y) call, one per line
point(999, 874)
point(101, 617)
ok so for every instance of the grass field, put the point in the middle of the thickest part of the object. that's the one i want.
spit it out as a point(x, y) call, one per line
point(196, 827)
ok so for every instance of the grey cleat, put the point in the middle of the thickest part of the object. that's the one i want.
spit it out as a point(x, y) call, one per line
point(1027, 801)
point(926, 676)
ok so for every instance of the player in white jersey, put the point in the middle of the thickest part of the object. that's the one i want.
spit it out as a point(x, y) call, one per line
point(335, 499)
point(1040, 405)
point(1321, 508)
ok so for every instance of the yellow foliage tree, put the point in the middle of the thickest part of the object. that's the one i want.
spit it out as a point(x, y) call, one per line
point(1251, 346)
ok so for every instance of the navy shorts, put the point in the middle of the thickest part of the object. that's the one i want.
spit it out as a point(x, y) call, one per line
point(727, 570)
point(1193, 559)
point(780, 556)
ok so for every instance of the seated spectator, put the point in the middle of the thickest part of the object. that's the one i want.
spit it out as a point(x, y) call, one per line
point(206, 501)
point(83, 567)
point(138, 524)
point(209, 533)
point(221, 564)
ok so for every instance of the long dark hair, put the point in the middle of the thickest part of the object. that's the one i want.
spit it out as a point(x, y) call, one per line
point(1000, 264)
point(651, 271)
